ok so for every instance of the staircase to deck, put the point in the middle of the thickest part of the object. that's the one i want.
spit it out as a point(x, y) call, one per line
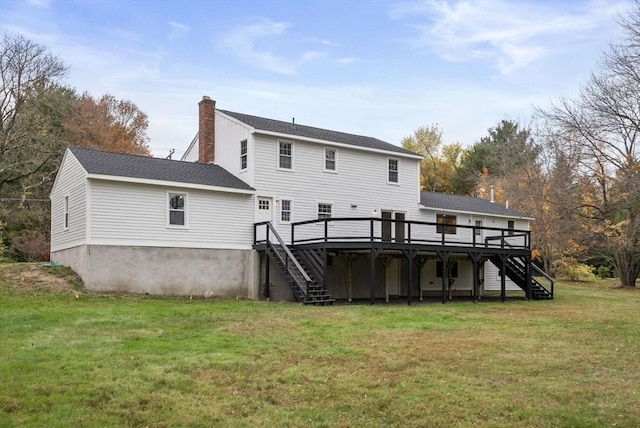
point(516, 271)
point(305, 289)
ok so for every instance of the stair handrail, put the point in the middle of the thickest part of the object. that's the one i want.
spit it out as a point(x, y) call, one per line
point(289, 256)
point(548, 277)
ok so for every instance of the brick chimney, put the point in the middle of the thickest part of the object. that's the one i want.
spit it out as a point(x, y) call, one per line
point(207, 130)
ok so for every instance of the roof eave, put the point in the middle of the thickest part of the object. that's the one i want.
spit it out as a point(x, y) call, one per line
point(519, 217)
point(334, 143)
point(167, 183)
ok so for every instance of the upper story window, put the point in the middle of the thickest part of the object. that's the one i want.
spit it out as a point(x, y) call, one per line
point(285, 155)
point(478, 227)
point(393, 169)
point(324, 210)
point(177, 209)
point(511, 225)
point(285, 211)
point(66, 213)
point(330, 159)
point(243, 154)
point(446, 224)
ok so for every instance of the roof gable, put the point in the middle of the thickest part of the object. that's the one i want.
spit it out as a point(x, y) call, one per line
point(148, 168)
point(447, 202)
point(294, 129)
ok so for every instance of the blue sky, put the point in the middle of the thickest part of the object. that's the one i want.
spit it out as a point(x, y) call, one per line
point(377, 68)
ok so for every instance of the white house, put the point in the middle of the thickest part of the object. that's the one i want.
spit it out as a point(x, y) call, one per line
point(266, 208)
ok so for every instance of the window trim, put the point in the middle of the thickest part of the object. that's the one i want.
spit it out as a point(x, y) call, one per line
point(397, 171)
point(185, 209)
point(329, 204)
point(244, 157)
point(291, 156)
point(335, 160)
point(446, 228)
point(281, 210)
point(65, 213)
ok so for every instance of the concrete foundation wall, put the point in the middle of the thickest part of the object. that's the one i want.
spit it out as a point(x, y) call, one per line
point(165, 271)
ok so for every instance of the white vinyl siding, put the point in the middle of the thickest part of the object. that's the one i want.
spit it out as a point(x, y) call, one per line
point(70, 185)
point(216, 219)
point(359, 188)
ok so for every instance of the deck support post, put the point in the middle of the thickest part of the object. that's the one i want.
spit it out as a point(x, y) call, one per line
point(527, 267)
point(372, 275)
point(410, 255)
point(503, 278)
point(444, 257)
point(324, 267)
point(266, 291)
point(475, 258)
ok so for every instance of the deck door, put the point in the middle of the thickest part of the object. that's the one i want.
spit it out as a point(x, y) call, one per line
point(400, 227)
point(386, 226)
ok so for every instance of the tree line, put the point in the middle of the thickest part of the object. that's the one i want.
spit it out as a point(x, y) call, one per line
point(575, 167)
point(39, 117)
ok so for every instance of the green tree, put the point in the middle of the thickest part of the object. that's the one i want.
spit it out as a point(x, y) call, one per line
point(439, 163)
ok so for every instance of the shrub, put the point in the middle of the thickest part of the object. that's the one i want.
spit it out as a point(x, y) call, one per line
point(570, 268)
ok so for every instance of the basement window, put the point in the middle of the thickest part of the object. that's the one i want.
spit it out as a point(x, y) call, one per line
point(177, 209)
point(446, 224)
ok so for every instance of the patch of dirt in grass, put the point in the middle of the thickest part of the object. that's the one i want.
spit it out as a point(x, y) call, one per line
point(28, 278)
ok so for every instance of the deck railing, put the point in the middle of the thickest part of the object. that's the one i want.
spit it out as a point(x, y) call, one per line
point(375, 229)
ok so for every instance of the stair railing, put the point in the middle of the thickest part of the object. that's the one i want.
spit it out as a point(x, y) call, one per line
point(545, 276)
point(288, 260)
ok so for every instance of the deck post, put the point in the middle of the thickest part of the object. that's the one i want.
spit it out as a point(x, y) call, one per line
point(372, 277)
point(444, 258)
point(476, 274)
point(267, 279)
point(324, 267)
point(527, 266)
point(503, 278)
point(410, 255)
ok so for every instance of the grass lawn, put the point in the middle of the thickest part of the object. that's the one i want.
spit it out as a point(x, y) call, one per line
point(72, 358)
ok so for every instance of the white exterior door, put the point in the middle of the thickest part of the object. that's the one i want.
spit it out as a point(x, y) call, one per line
point(264, 212)
point(478, 222)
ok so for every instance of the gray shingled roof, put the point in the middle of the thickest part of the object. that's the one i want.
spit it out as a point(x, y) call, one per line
point(448, 202)
point(281, 127)
point(121, 165)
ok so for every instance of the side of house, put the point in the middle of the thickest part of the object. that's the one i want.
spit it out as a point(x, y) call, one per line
point(148, 234)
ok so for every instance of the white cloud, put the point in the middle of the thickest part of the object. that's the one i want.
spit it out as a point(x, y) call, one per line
point(40, 3)
point(347, 60)
point(244, 41)
point(177, 30)
point(510, 34)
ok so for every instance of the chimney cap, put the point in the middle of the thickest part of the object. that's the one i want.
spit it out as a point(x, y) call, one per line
point(206, 97)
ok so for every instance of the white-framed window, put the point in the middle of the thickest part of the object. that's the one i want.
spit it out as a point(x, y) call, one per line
point(330, 159)
point(446, 224)
point(285, 210)
point(285, 155)
point(324, 210)
point(176, 209)
point(243, 154)
point(393, 167)
point(65, 224)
